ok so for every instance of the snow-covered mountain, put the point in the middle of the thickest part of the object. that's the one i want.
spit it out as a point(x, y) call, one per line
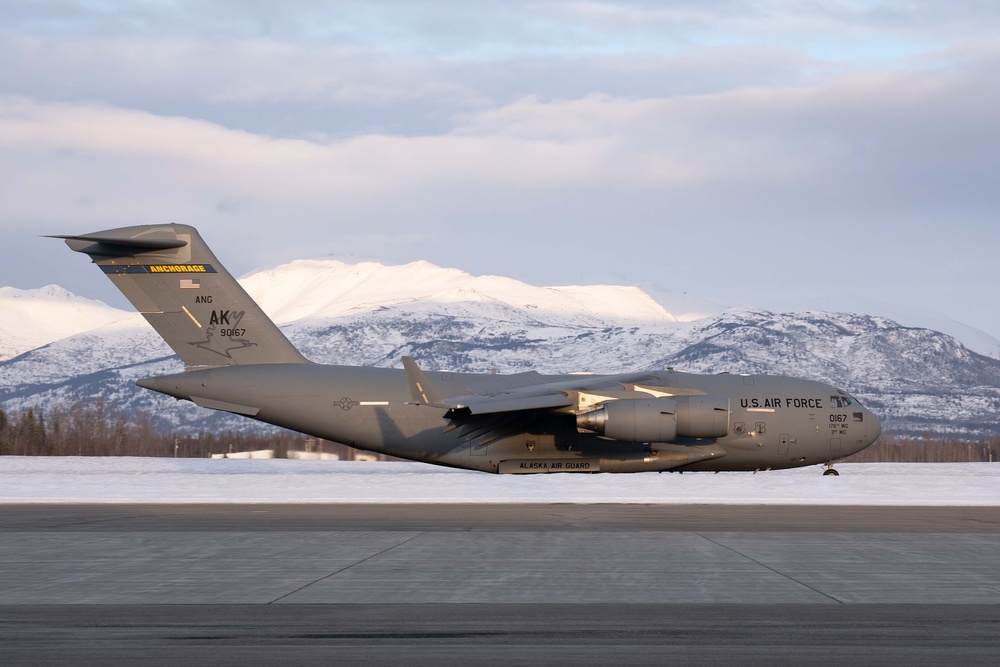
point(32, 318)
point(311, 289)
point(369, 314)
point(918, 316)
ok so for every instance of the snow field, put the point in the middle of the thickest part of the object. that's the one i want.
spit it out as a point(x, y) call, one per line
point(164, 480)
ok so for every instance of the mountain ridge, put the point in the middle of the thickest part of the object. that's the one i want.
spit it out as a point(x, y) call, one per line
point(370, 314)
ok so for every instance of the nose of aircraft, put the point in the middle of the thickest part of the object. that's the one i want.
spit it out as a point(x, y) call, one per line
point(874, 427)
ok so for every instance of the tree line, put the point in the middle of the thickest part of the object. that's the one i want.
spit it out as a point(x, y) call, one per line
point(92, 429)
point(928, 449)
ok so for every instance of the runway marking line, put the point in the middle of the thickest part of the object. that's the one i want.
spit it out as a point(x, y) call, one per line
point(348, 567)
point(768, 567)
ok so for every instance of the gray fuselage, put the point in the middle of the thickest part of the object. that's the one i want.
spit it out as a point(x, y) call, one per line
point(774, 422)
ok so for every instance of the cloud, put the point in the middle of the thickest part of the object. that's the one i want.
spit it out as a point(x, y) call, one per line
point(716, 143)
point(820, 137)
point(861, 171)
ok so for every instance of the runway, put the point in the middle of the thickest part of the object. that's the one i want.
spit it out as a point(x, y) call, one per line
point(582, 584)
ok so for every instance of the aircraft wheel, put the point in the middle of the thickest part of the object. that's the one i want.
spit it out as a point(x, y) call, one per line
point(831, 471)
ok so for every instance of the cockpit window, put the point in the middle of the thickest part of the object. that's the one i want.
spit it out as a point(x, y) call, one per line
point(842, 400)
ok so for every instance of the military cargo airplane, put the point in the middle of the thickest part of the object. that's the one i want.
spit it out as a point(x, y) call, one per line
point(238, 361)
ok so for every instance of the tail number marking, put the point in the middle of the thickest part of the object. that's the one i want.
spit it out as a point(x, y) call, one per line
point(228, 321)
point(226, 317)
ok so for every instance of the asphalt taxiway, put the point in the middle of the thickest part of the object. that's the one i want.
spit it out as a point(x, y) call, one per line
point(583, 584)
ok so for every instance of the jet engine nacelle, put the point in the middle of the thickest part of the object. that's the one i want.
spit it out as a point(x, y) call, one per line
point(659, 419)
point(633, 420)
point(702, 416)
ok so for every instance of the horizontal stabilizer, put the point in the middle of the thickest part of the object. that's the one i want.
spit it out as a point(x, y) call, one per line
point(107, 246)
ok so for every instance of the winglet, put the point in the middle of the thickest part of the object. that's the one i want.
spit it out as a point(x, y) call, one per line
point(421, 390)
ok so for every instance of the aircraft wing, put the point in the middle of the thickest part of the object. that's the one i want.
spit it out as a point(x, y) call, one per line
point(546, 395)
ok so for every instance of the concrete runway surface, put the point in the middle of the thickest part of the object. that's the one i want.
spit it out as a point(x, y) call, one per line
point(484, 584)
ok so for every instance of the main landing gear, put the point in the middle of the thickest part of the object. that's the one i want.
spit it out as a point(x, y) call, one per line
point(829, 470)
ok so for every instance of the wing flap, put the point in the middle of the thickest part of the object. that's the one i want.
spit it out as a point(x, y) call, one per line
point(533, 396)
point(544, 396)
point(494, 404)
point(235, 408)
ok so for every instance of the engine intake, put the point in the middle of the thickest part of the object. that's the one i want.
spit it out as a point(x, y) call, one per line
point(659, 419)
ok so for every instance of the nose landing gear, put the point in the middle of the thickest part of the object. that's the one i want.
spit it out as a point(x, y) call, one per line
point(829, 470)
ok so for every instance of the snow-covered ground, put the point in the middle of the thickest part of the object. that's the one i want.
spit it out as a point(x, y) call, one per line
point(152, 480)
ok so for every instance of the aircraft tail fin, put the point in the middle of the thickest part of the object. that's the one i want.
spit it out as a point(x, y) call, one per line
point(172, 278)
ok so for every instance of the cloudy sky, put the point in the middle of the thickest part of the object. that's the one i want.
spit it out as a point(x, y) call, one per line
point(777, 154)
